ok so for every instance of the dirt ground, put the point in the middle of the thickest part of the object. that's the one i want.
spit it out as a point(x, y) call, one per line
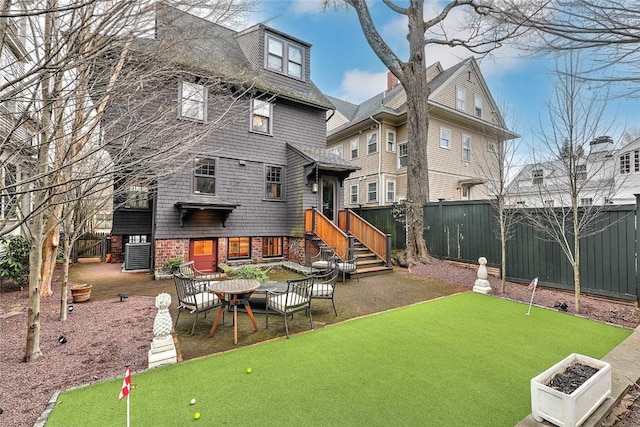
point(103, 335)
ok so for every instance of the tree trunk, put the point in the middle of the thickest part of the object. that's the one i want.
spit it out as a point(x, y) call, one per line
point(49, 255)
point(64, 287)
point(503, 248)
point(415, 85)
point(576, 258)
point(32, 350)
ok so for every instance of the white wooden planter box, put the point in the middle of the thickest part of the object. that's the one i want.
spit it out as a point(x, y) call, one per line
point(570, 410)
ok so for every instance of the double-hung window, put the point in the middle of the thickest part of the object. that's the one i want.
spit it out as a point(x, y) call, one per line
point(445, 138)
point(204, 176)
point(193, 101)
point(581, 172)
point(372, 192)
point(372, 143)
point(354, 194)
point(461, 95)
point(261, 112)
point(466, 148)
point(478, 105)
point(537, 176)
point(285, 57)
point(271, 247)
point(391, 191)
point(625, 163)
point(354, 148)
point(273, 182)
point(403, 155)
point(391, 141)
point(239, 247)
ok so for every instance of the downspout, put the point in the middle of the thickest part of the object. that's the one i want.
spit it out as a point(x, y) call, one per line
point(382, 189)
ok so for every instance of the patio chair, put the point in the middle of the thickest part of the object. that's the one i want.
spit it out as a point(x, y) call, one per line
point(324, 285)
point(349, 266)
point(192, 297)
point(323, 259)
point(202, 279)
point(296, 298)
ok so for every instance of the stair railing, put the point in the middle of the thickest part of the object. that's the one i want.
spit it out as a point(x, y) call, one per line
point(318, 224)
point(378, 242)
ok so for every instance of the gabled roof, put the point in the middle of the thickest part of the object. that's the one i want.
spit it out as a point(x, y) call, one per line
point(204, 47)
point(323, 158)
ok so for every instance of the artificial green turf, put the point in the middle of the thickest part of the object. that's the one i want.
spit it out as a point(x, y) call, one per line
point(464, 360)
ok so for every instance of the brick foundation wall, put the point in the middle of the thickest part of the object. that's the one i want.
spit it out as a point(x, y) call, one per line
point(117, 250)
point(167, 249)
point(296, 250)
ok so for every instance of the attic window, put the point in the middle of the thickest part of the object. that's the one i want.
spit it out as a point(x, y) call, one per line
point(537, 176)
point(193, 101)
point(285, 57)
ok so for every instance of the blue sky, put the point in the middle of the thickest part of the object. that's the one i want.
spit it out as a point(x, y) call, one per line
point(343, 65)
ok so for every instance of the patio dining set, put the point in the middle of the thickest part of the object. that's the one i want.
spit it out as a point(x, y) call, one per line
point(199, 292)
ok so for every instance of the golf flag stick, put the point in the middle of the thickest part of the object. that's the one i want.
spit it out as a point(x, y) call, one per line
point(533, 285)
point(126, 389)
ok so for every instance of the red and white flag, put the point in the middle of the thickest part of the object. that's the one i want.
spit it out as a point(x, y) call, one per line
point(533, 283)
point(126, 384)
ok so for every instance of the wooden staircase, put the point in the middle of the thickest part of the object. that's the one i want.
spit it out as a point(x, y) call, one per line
point(368, 263)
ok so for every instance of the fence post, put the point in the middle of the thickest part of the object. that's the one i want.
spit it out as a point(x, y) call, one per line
point(388, 260)
point(636, 247)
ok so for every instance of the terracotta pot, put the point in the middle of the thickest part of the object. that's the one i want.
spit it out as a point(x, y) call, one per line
point(80, 293)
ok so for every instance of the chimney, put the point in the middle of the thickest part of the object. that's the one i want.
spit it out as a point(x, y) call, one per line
point(392, 81)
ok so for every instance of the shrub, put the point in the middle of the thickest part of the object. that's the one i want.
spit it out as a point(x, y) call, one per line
point(14, 259)
point(172, 264)
point(250, 272)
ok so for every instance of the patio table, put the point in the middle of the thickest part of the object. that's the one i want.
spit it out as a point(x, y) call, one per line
point(231, 293)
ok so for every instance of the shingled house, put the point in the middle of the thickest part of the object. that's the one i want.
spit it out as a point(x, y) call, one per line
point(249, 181)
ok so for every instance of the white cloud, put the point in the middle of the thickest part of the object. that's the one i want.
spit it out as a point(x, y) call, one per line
point(304, 7)
point(358, 85)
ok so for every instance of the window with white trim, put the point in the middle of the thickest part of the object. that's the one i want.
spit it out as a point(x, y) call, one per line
point(372, 192)
point(466, 148)
point(273, 182)
point(586, 201)
point(285, 57)
point(581, 171)
point(537, 176)
point(391, 191)
point(354, 194)
point(204, 176)
point(193, 101)
point(354, 148)
point(391, 141)
point(261, 112)
point(372, 143)
point(461, 95)
point(445, 138)
point(403, 155)
point(477, 101)
point(8, 198)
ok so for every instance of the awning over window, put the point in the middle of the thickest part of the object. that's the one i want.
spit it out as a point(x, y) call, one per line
point(205, 204)
point(471, 182)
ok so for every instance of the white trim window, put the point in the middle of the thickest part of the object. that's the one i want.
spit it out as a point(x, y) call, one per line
point(403, 155)
point(353, 196)
point(461, 98)
point(537, 176)
point(465, 192)
point(261, 113)
point(285, 57)
point(354, 148)
point(372, 143)
point(466, 148)
point(477, 102)
point(193, 101)
point(586, 201)
point(274, 177)
point(204, 176)
point(372, 192)
point(445, 138)
point(391, 191)
point(391, 141)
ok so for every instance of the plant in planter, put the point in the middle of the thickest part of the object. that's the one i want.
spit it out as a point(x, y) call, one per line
point(171, 265)
point(250, 272)
point(570, 407)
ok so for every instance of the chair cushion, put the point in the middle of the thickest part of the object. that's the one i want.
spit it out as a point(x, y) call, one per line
point(320, 264)
point(321, 290)
point(346, 266)
point(279, 301)
point(206, 299)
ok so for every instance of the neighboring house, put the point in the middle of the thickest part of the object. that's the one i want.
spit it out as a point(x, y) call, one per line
point(244, 196)
point(603, 175)
point(16, 132)
point(465, 131)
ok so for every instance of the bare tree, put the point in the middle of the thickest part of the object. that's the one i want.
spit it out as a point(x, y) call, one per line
point(496, 166)
point(89, 60)
point(572, 185)
point(481, 35)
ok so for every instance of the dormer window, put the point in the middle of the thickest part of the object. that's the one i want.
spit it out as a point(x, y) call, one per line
point(285, 57)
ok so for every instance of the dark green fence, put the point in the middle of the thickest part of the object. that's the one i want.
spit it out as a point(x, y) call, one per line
point(467, 230)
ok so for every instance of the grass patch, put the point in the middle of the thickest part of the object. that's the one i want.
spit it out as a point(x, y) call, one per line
point(464, 360)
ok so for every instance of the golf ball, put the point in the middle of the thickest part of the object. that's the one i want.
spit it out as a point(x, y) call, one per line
point(193, 401)
point(196, 415)
point(248, 370)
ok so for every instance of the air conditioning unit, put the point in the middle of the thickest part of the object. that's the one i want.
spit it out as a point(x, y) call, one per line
point(137, 256)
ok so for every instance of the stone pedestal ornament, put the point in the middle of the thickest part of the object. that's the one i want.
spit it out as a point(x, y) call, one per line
point(482, 284)
point(163, 350)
